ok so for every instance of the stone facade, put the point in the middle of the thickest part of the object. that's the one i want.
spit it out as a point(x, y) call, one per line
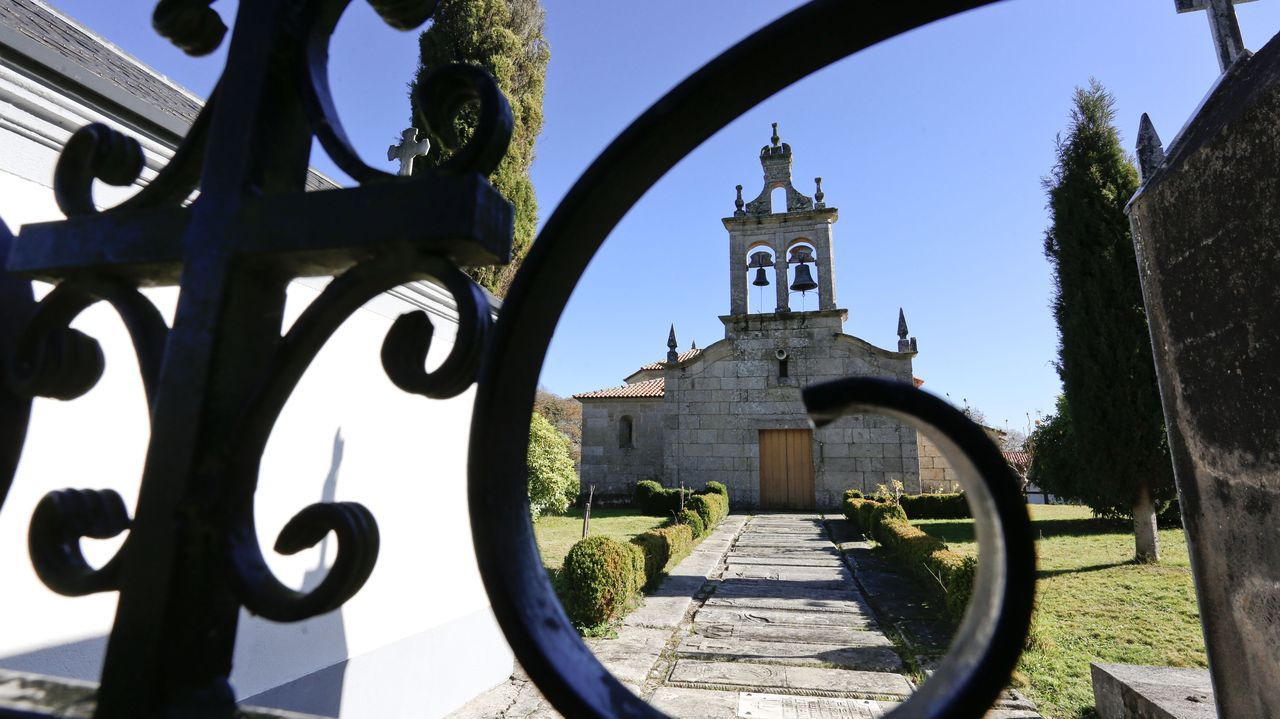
point(936, 474)
point(698, 417)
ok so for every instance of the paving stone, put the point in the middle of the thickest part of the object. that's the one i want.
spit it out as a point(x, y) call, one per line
point(788, 603)
point(817, 560)
point(838, 636)
point(773, 541)
point(773, 676)
point(830, 577)
point(695, 703)
point(786, 550)
point(785, 590)
point(782, 706)
point(879, 658)
point(850, 620)
point(632, 654)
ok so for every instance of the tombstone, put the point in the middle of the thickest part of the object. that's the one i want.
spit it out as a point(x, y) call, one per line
point(1205, 223)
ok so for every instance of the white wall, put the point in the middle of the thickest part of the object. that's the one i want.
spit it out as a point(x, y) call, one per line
point(419, 637)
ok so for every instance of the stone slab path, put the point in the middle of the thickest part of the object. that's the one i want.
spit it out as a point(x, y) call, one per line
point(764, 620)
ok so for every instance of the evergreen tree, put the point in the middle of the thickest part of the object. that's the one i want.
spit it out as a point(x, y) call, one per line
point(505, 37)
point(1105, 360)
point(553, 482)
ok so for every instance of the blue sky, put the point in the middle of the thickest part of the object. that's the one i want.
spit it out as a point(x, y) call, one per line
point(931, 145)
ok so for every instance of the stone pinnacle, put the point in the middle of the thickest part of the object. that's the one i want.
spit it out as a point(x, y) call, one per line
point(902, 325)
point(1150, 150)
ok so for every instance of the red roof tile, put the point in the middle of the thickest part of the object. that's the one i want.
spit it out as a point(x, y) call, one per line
point(687, 354)
point(1021, 461)
point(639, 390)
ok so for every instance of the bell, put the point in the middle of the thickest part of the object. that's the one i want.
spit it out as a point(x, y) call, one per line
point(761, 280)
point(761, 259)
point(804, 280)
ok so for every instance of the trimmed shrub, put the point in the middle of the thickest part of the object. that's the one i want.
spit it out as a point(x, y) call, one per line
point(852, 494)
point(935, 506)
point(719, 506)
point(717, 488)
point(711, 507)
point(852, 509)
point(882, 512)
point(679, 539)
point(599, 578)
point(694, 522)
point(650, 498)
point(930, 559)
point(657, 501)
point(657, 552)
point(865, 512)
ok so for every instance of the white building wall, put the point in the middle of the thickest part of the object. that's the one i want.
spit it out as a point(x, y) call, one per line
point(418, 640)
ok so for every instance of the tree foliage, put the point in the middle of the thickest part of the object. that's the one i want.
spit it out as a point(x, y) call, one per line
point(1111, 413)
point(553, 482)
point(565, 414)
point(505, 37)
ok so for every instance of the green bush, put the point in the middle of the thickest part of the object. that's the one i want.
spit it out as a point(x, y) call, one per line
point(657, 552)
point(711, 507)
point(717, 488)
point(649, 498)
point(679, 538)
point(852, 510)
point(930, 559)
point(599, 578)
point(935, 506)
point(882, 512)
point(852, 494)
point(693, 521)
point(865, 510)
point(552, 478)
point(657, 501)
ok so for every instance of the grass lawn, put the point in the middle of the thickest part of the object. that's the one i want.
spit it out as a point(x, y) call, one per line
point(556, 534)
point(1094, 604)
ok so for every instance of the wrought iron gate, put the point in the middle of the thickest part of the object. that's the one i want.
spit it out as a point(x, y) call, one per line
point(191, 558)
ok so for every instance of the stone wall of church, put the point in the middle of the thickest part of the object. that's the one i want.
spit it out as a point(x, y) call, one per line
point(718, 402)
point(936, 474)
point(612, 464)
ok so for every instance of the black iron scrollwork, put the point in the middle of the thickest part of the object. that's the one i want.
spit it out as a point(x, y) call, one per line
point(536, 627)
point(441, 96)
point(217, 380)
point(403, 355)
point(61, 519)
point(94, 152)
point(191, 25)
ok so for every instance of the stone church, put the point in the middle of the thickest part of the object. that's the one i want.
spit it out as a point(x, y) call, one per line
point(731, 412)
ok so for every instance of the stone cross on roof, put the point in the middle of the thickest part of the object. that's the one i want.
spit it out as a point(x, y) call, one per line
point(1222, 22)
point(410, 147)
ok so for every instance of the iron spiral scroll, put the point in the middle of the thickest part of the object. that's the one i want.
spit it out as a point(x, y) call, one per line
point(990, 639)
point(191, 557)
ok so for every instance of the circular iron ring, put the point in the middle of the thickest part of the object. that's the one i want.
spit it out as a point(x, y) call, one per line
point(527, 609)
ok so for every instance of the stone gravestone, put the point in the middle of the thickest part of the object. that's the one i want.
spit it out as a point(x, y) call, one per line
point(1206, 225)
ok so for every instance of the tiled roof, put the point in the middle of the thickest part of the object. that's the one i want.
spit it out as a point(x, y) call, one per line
point(687, 354)
point(639, 390)
point(1020, 460)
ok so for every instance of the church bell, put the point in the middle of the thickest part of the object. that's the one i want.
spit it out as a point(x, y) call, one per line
point(761, 280)
point(804, 280)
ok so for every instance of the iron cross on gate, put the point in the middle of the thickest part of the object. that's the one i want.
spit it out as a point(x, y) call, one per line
point(218, 378)
point(1222, 23)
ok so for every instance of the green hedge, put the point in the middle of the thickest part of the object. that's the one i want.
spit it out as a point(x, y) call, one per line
point(599, 579)
point(717, 488)
point(930, 559)
point(661, 547)
point(881, 513)
point(853, 494)
point(693, 521)
point(935, 506)
point(657, 501)
point(711, 507)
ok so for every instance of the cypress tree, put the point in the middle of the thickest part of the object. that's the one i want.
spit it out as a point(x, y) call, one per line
point(1104, 353)
point(505, 37)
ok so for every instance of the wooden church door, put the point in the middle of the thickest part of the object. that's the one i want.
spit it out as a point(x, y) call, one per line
point(786, 469)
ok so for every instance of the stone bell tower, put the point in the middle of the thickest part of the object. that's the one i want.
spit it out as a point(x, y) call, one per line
point(793, 240)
